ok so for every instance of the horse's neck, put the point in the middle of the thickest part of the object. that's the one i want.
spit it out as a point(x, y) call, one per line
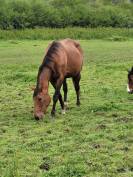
point(44, 79)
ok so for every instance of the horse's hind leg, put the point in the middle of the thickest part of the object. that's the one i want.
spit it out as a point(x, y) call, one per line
point(76, 81)
point(65, 93)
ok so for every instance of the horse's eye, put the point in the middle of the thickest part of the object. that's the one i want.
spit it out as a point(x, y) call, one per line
point(40, 99)
point(132, 77)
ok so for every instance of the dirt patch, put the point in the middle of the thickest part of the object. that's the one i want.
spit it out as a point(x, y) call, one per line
point(121, 170)
point(101, 126)
point(96, 146)
point(125, 149)
point(124, 119)
point(44, 166)
point(115, 115)
point(48, 131)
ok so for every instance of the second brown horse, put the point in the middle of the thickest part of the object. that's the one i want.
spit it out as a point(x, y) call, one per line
point(63, 59)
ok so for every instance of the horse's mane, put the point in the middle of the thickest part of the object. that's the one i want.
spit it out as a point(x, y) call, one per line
point(48, 59)
point(49, 55)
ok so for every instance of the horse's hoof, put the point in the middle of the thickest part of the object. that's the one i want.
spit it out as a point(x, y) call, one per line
point(52, 114)
point(63, 111)
point(78, 103)
point(66, 105)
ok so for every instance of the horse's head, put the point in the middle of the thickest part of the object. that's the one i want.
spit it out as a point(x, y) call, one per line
point(41, 103)
point(130, 81)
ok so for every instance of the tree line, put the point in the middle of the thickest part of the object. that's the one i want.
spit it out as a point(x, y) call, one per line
point(65, 13)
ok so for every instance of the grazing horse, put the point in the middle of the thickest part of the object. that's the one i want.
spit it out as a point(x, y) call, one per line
point(130, 81)
point(63, 59)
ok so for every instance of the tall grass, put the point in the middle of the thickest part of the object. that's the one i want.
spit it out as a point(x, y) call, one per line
point(76, 33)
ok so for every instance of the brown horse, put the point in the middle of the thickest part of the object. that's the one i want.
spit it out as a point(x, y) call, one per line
point(63, 59)
point(130, 81)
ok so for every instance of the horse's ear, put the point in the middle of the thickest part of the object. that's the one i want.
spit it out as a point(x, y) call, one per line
point(128, 70)
point(32, 88)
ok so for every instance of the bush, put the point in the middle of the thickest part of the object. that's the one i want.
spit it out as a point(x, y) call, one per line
point(62, 13)
point(4, 16)
point(19, 17)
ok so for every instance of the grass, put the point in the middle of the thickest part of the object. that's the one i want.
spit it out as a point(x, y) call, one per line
point(94, 140)
point(111, 34)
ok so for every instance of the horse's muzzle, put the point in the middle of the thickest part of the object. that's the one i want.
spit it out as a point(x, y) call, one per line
point(38, 116)
point(130, 92)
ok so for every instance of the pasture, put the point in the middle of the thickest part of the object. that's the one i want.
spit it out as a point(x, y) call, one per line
point(93, 140)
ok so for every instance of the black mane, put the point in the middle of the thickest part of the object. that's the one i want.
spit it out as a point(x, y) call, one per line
point(130, 73)
point(49, 55)
point(46, 62)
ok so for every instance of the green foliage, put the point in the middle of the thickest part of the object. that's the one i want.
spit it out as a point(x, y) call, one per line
point(61, 13)
point(93, 140)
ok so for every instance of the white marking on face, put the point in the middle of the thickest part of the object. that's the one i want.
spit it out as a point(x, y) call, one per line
point(128, 89)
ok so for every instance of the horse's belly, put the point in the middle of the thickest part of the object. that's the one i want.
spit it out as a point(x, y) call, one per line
point(73, 69)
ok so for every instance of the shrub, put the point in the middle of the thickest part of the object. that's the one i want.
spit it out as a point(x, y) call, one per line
point(62, 13)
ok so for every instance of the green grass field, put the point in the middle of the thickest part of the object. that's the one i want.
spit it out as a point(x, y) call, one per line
point(93, 140)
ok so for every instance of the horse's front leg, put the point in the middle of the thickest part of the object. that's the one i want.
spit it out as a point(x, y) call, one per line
point(65, 93)
point(57, 95)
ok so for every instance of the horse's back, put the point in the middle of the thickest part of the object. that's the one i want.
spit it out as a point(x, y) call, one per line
point(74, 56)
